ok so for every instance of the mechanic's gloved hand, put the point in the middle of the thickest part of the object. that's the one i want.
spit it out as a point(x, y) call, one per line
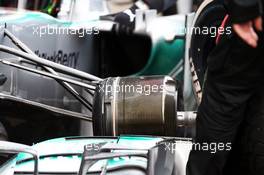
point(126, 18)
point(2, 79)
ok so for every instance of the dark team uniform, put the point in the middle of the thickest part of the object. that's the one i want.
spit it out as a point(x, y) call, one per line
point(233, 99)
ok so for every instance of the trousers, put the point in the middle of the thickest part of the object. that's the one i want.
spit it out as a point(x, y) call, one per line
point(231, 114)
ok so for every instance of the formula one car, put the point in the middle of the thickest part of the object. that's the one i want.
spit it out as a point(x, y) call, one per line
point(115, 112)
point(108, 107)
point(100, 52)
point(113, 115)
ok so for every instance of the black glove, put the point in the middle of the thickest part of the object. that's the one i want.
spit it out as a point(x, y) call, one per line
point(126, 18)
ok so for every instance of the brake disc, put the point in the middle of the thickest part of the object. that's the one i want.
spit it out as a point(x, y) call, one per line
point(138, 105)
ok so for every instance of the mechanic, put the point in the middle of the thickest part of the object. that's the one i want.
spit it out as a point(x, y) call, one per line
point(127, 17)
point(233, 91)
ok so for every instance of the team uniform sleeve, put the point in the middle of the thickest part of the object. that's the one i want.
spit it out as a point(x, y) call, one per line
point(243, 10)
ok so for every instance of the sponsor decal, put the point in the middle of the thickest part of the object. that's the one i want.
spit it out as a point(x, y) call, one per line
point(67, 59)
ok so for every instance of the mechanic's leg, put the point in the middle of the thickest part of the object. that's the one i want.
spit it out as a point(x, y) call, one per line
point(219, 116)
point(234, 69)
point(251, 141)
point(248, 154)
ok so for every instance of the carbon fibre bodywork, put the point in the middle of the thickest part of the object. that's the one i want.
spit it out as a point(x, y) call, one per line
point(64, 156)
point(46, 103)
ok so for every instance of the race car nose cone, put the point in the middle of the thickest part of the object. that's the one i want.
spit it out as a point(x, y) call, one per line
point(2, 79)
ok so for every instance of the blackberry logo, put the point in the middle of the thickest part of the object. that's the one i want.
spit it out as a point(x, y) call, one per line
point(66, 59)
